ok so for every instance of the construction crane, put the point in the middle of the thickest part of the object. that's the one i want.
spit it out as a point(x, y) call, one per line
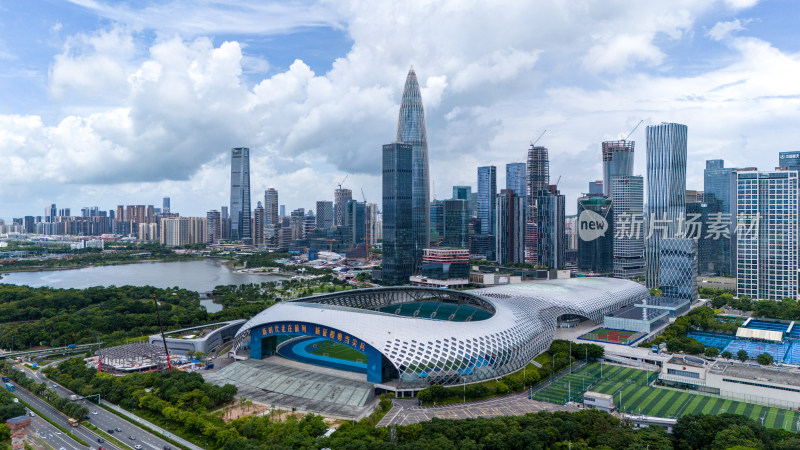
point(342, 182)
point(537, 139)
point(434, 189)
point(558, 181)
point(634, 129)
point(364, 196)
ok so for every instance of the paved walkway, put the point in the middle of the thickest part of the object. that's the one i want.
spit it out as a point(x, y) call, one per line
point(152, 426)
point(407, 411)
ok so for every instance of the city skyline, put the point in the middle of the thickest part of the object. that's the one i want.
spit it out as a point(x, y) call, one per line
point(87, 85)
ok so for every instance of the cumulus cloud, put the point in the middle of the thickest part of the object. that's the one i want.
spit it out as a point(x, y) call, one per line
point(163, 111)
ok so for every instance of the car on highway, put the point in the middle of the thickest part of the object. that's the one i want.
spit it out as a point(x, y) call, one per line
point(118, 429)
point(133, 438)
point(94, 412)
point(110, 431)
point(100, 440)
point(137, 447)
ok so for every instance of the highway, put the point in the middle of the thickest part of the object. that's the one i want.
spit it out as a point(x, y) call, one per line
point(51, 435)
point(106, 420)
point(43, 407)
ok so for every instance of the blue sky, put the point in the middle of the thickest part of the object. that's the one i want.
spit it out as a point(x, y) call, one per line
point(108, 103)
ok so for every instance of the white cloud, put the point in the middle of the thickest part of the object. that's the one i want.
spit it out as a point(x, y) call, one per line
point(721, 30)
point(492, 79)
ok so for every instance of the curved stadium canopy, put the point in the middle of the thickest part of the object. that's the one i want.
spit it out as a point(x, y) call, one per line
point(470, 336)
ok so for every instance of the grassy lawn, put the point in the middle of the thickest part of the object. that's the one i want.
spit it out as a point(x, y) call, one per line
point(544, 359)
point(338, 351)
point(633, 395)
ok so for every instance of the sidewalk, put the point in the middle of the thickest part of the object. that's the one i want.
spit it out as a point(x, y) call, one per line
point(153, 427)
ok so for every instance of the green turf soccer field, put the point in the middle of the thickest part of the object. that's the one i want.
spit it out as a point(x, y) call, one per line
point(338, 351)
point(630, 390)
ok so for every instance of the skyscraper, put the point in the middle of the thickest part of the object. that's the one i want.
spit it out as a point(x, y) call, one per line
point(627, 194)
point(465, 193)
point(596, 187)
point(719, 192)
point(487, 193)
point(767, 236)
point(240, 195)
point(324, 214)
point(678, 268)
point(510, 228)
point(538, 181)
point(371, 224)
point(456, 215)
point(666, 190)
point(356, 220)
point(271, 206)
point(411, 130)
point(225, 222)
point(437, 221)
point(259, 217)
point(595, 235)
point(617, 162)
point(398, 239)
point(551, 233)
point(538, 170)
point(341, 197)
point(517, 179)
point(214, 231)
point(165, 205)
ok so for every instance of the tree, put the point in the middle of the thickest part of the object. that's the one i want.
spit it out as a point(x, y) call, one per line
point(765, 359)
point(742, 355)
point(712, 352)
point(726, 354)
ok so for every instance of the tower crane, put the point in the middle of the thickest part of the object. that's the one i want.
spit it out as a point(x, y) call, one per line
point(363, 196)
point(634, 129)
point(537, 139)
point(342, 182)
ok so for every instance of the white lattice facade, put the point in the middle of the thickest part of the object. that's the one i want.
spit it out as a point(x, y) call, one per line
point(421, 351)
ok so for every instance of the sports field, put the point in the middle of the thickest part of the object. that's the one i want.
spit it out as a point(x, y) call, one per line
point(612, 336)
point(632, 395)
point(572, 386)
point(337, 350)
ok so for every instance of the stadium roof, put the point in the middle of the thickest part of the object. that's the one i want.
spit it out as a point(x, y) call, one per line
point(522, 326)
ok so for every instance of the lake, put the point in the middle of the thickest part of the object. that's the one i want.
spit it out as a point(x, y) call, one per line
point(201, 276)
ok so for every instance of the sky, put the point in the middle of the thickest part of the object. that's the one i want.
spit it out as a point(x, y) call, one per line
point(104, 103)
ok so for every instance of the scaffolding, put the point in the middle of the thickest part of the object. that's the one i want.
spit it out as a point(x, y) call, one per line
point(132, 358)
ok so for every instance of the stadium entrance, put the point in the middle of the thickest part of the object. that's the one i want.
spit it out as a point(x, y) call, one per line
point(321, 345)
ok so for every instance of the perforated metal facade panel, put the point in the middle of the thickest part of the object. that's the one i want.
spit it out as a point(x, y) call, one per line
point(437, 351)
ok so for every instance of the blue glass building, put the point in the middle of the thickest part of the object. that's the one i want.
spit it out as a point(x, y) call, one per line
point(666, 190)
point(678, 268)
point(617, 162)
point(517, 179)
point(398, 239)
point(240, 195)
point(437, 221)
point(456, 220)
point(411, 130)
point(719, 194)
point(487, 193)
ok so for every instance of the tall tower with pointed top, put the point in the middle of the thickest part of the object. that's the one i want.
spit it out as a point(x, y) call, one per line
point(411, 130)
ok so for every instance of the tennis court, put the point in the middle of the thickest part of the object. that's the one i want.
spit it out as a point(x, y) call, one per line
point(612, 336)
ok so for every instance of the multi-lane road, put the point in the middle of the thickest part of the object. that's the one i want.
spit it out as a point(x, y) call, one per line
point(131, 435)
point(83, 433)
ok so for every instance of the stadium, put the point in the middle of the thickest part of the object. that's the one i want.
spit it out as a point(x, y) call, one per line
point(407, 338)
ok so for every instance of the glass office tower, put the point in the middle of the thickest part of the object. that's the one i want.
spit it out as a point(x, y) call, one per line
point(240, 195)
point(487, 193)
point(411, 130)
point(398, 239)
point(617, 162)
point(666, 190)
